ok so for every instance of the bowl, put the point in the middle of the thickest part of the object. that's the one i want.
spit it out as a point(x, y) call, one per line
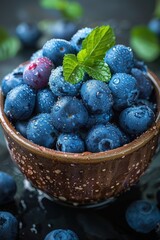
point(83, 179)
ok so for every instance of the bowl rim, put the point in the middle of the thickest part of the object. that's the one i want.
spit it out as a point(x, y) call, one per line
point(85, 157)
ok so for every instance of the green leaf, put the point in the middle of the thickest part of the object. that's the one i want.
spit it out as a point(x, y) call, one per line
point(3, 35)
point(98, 42)
point(145, 43)
point(73, 11)
point(9, 48)
point(54, 4)
point(82, 55)
point(73, 72)
point(99, 71)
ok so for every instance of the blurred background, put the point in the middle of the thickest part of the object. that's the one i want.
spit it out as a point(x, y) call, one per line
point(130, 20)
point(121, 15)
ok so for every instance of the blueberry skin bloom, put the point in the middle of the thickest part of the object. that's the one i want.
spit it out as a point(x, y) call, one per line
point(103, 138)
point(79, 36)
point(55, 49)
point(144, 83)
point(120, 59)
point(61, 234)
point(70, 143)
point(59, 86)
point(69, 114)
point(8, 188)
point(36, 74)
point(20, 102)
point(11, 81)
point(124, 89)
point(96, 96)
point(41, 131)
point(137, 119)
point(45, 101)
point(142, 216)
point(8, 226)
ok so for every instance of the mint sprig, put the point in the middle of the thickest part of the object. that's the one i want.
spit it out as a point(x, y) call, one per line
point(90, 58)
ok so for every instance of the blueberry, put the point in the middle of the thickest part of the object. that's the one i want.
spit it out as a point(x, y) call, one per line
point(20, 102)
point(103, 138)
point(11, 81)
point(8, 188)
point(59, 86)
point(142, 216)
point(124, 89)
point(144, 83)
point(63, 29)
point(120, 59)
point(28, 34)
point(69, 114)
point(70, 142)
point(154, 26)
point(140, 65)
point(137, 119)
point(79, 36)
point(17, 72)
point(40, 130)
point(37, 54)
point(103, 118)
point(45, 101)
point(96, 96)
point(61, 234)
point(36, 73)
point(8, 226)
point(55, 49)
point(124, 138)
point(21, 127)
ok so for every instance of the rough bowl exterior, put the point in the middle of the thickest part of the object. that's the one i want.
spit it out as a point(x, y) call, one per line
point(86, 178)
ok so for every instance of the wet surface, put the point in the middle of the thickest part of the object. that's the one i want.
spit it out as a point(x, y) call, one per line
point(36, 212)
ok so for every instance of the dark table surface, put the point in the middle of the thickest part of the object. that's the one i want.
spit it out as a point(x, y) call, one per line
point(36, 213)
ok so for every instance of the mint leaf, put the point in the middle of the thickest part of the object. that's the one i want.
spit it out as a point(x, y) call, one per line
point(70, 10)
point(3, 35)
point(73, 11)
point(9, 46)
point(98, 42)
point(99, 71)
point(145, 43)
point(53, 4)
point(72, 71)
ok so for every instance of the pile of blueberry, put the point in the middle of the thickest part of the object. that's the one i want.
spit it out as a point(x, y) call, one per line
point(91, 115)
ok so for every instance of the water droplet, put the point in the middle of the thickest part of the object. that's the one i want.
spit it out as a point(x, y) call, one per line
point(116, 81)
point(99, 94)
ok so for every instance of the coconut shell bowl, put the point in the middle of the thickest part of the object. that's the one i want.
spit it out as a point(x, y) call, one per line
point(83, 179)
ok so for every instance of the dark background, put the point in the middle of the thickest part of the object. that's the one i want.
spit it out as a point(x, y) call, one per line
point(37, 215)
